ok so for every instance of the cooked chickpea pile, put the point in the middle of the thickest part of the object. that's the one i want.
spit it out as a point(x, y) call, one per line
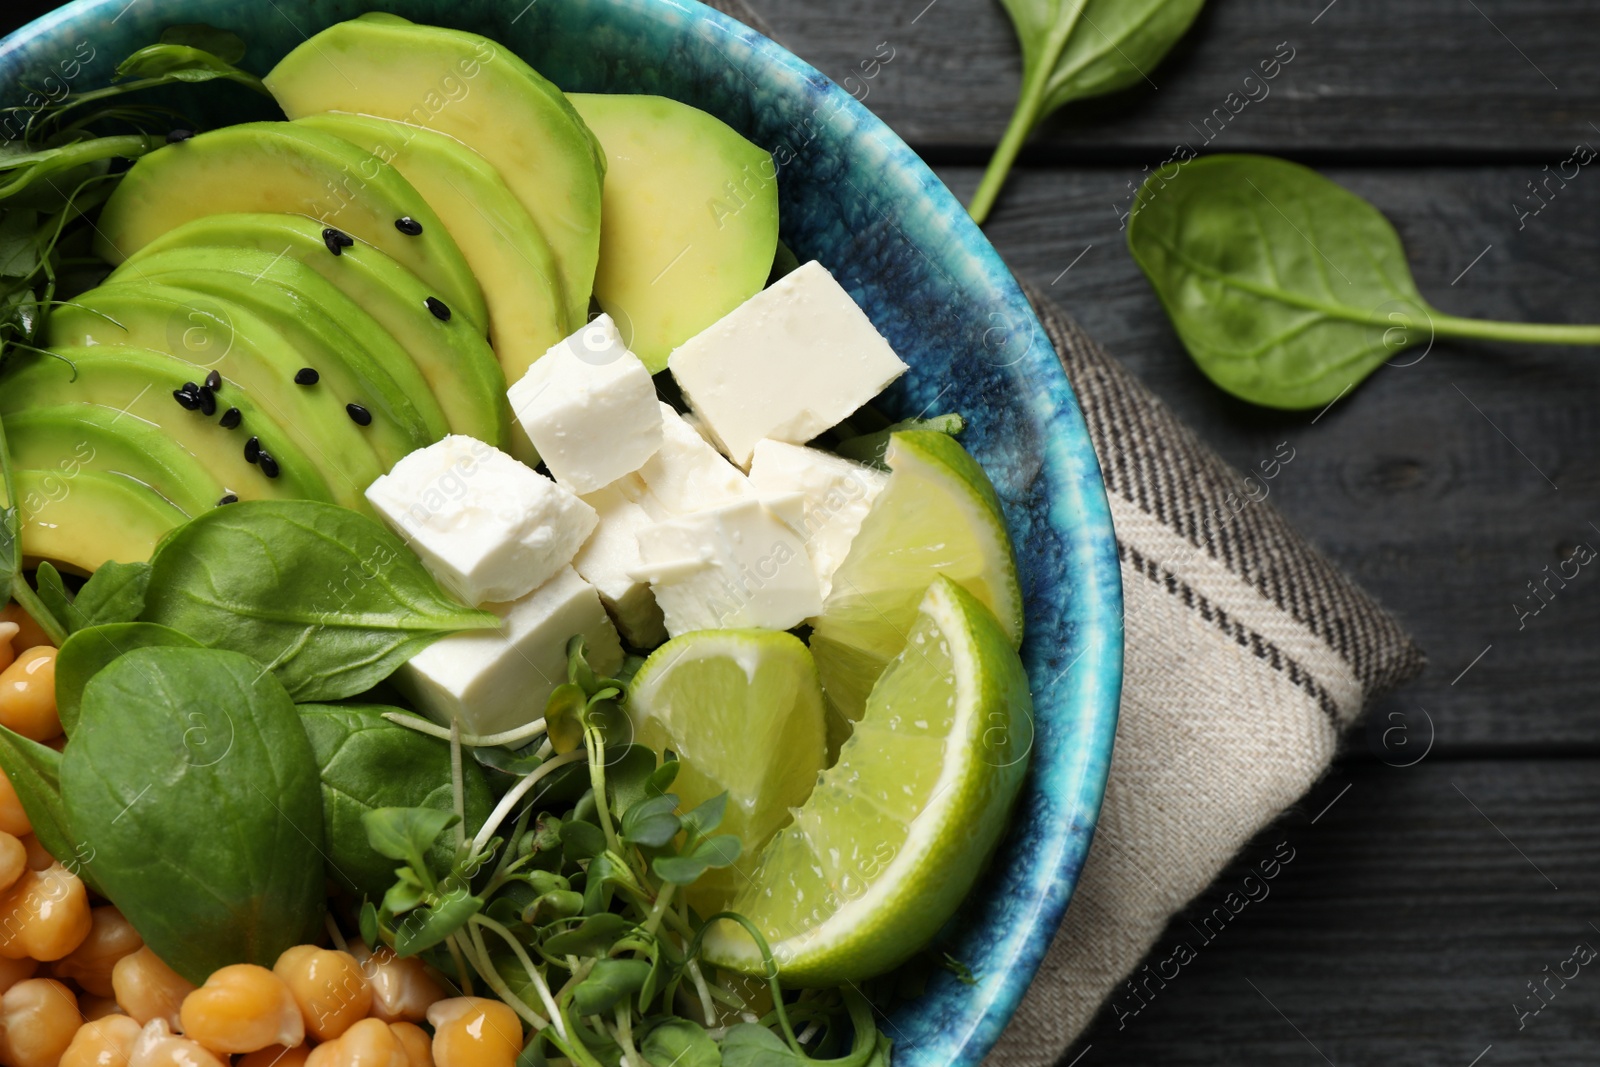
point(79, 989)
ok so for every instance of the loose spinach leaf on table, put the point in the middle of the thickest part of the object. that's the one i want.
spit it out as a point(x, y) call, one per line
point(329, 600)
point(368, 762)
point(1075, 49)
point(90, 650)
point(1286, 288)
point(194, 784)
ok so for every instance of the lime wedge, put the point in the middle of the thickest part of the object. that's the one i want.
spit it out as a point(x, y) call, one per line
point(938, 514)
point(742, 709)
point(895, 833)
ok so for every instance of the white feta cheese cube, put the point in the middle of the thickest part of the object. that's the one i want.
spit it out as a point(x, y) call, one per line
point(608, 561)
point(733, 566)
point(686, 474)
point(496, 680)
point(588, 405)
point(788, 363)
point(489, 528)
point(835, 494)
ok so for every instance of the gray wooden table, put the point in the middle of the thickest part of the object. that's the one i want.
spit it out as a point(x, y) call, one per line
point(1433, 879)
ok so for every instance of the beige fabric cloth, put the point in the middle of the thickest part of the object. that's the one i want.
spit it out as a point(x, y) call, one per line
point(1246, 654)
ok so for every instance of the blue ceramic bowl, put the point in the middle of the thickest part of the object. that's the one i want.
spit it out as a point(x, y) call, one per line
point(856, 198)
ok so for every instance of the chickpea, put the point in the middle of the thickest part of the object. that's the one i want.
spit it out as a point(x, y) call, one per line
point(416, 1042)
point(111, 937)
point(158, 1046)
point(30, 634)
point(8, 633)
point(14, 971)
point(148, 989)
point(475, 1032)
point(105, 1042)
point(45, 915)
point(28, 695)
point(369, 1043)
point(13, 819)
point(402, 989)
point(276, 1056)
point(13, 860)
point(241, 1008)
point(38, 1020)
point(38, 856)
point(332, 992)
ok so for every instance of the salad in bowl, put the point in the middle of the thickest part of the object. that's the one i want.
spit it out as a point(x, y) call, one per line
point(473, 593)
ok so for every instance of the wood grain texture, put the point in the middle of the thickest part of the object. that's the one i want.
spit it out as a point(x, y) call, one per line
point(1413, 77)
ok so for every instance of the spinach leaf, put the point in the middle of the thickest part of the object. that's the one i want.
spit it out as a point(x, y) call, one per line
point(368, 762)
point(329, 600)
point(1075, 49)
point(89, 650)
point(194, 784)
point(114, 593)
point(53, 591)
point(1287, 289)
point(35, 773)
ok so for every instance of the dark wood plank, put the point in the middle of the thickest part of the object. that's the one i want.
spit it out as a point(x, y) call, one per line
point(1439, 507)
point(1403, 930)
point(1407, 76)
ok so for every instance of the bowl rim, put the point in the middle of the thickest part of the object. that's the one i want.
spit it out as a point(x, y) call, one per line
point(1089, 684)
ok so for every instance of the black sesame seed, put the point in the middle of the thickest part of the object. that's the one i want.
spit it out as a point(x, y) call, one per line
point(440, 309)
point(307, 376)
point(214, 382)
point(336, 240)
point(359, 415)
point(188, 400)
point(228, 498)
point(192, 388)
point(208, 401)
point(408, 226)
point(252, 450)
point(230, 419)
point(175, 136)
point(269, 466)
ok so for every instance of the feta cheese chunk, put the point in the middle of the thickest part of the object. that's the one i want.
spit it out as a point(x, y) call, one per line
point(733, 566)
point(788, 363)
point(608, 561)
point(589, 407)
point(686, 474)
point(489, 528)
point(835, 495)
point(496, 680)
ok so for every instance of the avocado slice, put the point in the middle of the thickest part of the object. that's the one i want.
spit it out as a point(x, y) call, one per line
point(90, 518)
point(68, 438)
point(141, 382)
point(277, 166)
point(454, 363)
point(478, 92)
point(690, 223)
point(513, 263)
point(351, 352)
point(251, 356)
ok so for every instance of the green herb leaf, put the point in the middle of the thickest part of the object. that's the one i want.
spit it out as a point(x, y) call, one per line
point(113, 594)
point(90, 650)
point(608, 984)
point(328, 599)
point(197, 788)
point(680, 1043)
point(720, 851)
point(406, 893)
point(1287, 289)
point(368, 762)
point(749, 1045)
point(651, 823)
point(582, 840)
point(1075, 49)
point(662, 777)
point(428, 926)
point(35, 774)
point(225, 45)
point(592, 937)
point(182, 63)
point(406, 834)
point(706, 817)
point(53, 591)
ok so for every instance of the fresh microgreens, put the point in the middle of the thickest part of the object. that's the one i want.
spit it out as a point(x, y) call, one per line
point(1286, 288)
point(1075, 49)
point(566, 905)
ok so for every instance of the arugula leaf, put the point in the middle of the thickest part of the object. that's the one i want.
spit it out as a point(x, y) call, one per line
point(1287, 289)
point(1075, 49)
point(198, 790)
point(329, 600)
point(89, 650)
